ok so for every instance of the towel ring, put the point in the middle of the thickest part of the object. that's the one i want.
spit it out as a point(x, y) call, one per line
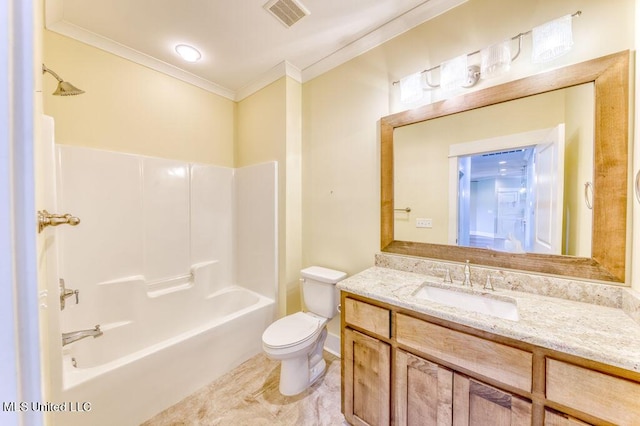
point(588, 190)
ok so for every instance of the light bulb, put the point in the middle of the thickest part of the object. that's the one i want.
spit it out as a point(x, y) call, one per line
point(188, 53)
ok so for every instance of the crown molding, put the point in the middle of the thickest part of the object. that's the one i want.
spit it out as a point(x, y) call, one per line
point(283, 69)
point(54, 21)
point(403, 23)
point(108, 45)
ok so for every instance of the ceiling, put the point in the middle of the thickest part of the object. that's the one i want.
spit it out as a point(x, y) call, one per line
point(243, 46)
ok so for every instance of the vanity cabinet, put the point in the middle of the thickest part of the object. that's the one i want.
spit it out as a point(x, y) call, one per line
point(366, 364)
point(476, 403)
point(552, 418)
point(405, 368)
point(423, 391)
point(429, 394)
point(613, 399)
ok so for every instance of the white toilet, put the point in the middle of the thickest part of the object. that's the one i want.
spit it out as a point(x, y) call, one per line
point(298, 339)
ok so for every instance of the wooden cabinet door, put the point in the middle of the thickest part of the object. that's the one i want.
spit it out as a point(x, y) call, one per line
point(551, 418)
point(478, 404)
point(423, 392)
point(366, 379)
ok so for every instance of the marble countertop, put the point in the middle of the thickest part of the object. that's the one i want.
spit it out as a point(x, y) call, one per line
point(598, 333)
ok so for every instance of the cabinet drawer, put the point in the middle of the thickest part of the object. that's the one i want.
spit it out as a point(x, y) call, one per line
point(607, 397)
point(500, 362)
point(552, 418)
point(368, 317)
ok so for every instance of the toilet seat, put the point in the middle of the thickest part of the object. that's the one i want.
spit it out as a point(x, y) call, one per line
point(293, 330)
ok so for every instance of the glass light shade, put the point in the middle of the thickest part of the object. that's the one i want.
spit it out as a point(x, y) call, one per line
point(411, 88)
point(188, 53)
point(495, 59)
point(453, 73)
point(551, 40)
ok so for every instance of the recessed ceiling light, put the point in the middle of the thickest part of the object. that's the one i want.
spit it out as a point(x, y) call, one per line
point(188, 53)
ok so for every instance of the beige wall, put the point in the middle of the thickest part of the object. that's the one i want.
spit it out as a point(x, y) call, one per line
point(579, 160)
point(341, 185)
point(268, 128)
point(130, 108)
point(341, 109)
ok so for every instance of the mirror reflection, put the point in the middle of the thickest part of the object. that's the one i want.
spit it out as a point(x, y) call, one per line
point(509, 177)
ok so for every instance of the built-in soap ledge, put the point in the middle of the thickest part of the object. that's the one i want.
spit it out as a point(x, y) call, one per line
point(544, 285)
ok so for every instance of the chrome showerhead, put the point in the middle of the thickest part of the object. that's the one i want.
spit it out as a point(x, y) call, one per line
point(64, 87)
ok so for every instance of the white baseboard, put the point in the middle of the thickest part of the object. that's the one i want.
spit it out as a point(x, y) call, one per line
point(332, 344)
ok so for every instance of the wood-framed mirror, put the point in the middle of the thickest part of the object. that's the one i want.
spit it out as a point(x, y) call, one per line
point(610, 77)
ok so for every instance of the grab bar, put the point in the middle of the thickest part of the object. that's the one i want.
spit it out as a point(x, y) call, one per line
point(170, 280)
point(406, 209)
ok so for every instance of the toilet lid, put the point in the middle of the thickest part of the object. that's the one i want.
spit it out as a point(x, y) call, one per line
point(291, 330)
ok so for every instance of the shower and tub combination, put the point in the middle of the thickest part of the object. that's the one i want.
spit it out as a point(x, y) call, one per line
point(167, 282)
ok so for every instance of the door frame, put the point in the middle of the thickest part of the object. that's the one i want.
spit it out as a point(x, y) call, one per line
point(19, 312)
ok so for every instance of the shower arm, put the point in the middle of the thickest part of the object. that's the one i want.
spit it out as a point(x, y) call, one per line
point(57, 77)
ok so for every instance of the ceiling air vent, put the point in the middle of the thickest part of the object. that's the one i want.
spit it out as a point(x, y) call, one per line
point(287, 11)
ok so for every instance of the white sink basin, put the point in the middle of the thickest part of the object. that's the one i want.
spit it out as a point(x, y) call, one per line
point(497, 306)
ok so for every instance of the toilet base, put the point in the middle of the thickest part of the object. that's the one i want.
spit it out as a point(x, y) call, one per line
point(316, 371)
point(297, 374)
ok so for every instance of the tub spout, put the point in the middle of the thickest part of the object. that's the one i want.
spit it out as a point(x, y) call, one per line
point(81, 334)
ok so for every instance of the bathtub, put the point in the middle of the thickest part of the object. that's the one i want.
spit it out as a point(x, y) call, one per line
point(142, 366)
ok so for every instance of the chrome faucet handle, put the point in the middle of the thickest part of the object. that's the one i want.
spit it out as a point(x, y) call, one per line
point(446, 278)
point(467, 275)
point(488, 285)
point(67, 292)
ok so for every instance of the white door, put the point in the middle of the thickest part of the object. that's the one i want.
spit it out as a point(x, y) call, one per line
point(549, 167)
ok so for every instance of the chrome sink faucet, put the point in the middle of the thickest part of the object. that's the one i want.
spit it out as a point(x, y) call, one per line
point(467, 275)
point(81, 334)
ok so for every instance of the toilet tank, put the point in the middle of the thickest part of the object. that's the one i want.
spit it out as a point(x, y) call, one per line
point(319, 290)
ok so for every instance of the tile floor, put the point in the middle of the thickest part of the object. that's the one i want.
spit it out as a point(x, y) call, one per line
point(249, 395)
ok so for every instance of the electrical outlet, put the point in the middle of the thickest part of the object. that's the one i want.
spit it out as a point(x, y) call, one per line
point(424, 223)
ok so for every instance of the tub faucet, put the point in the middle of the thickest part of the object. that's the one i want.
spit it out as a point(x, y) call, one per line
point(81, 334)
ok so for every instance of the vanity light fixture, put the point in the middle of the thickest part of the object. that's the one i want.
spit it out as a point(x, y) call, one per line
point(550, 40)
point(495, 60)
point(453, 73)
point(188, 53)
point(411, 88)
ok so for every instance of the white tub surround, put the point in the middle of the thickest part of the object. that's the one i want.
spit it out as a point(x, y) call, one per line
point(160, 261)
point(595, 332)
